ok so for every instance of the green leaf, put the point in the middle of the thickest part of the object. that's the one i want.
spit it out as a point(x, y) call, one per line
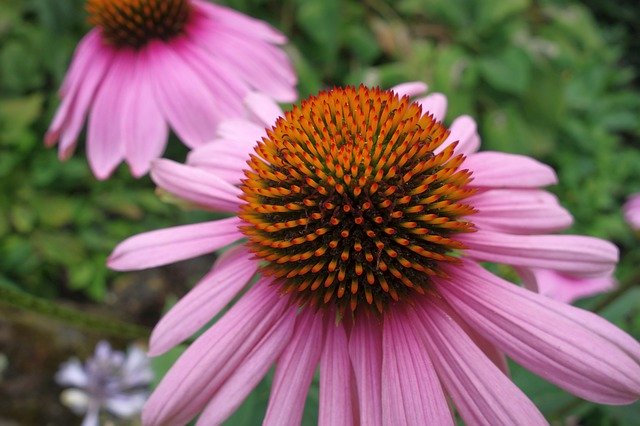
point(509, 71)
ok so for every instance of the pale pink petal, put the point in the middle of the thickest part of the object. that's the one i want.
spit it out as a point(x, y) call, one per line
point(464, 131)
point(295, 370)
point(144, 130)
point(105, 144)
point(72, 373)
point(183, 98)
point(519, 211)
point(365, 348)
point(411, 391)
point(411, 89)
point(170, 245)
point(225, 280)
point(227, 159)
point(241, 131)
point(573, 254)
point(214, 357)
point(563, 287)
point(631, 211)
point(574, 349)
point(482, 394)
point(264, 108)
point(196, 185)
point(434, 104)
point(248, 374)
point(335, 379)
point(501, 170)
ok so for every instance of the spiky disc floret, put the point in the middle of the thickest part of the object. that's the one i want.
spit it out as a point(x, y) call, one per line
point(133, 23)
point(348, 204)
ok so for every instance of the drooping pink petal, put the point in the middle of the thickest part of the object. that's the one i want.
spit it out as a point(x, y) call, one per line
point(365, 349)
point(225, 280)
point(563, 287)
point(502, 170)
point(144, 129)
point(226, 159)
point(196, 185)
point(519, 211)
point(576, 350)
point(411, 89)
point(335, 407)
point(434, 104)
point(248, 374)
point(411, 391)
point(295, 370)
point(214, 357)
point(183, 98)
point(170, 245)
point(105, 144)
point(631, 211)
point(573, 254)
point(482, 394)
point(263, 108)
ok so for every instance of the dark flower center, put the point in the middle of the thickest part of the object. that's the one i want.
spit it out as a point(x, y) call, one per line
point(348, 204)
point(133, 23)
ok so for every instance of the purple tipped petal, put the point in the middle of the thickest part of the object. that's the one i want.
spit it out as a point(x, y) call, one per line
point(501, 170)
point(230, 274)
point(335, 379)
point(196, 185)
point(411, 391)
point(572, 348)
point(365, 348)
point(482, 394)
point(573, 254)
point(295, 370)
point(214, 357)
point(170, 245)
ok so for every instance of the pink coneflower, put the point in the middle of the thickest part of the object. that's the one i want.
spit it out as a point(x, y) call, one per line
point(363, 216)
point(631, 211)
point(151, 64)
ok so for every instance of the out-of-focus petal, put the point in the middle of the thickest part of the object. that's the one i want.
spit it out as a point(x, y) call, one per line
point(502, 170)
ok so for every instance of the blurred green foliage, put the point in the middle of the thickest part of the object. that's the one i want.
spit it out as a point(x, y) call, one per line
point(542, 78)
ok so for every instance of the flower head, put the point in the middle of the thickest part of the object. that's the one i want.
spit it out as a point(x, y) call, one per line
point(110, 380)
point(366, 220)
point(151, 64)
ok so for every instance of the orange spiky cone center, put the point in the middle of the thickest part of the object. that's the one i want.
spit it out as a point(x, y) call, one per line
point(347, 203)
point(133, 23)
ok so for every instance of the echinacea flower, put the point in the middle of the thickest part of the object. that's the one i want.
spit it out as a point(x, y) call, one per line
point(631, 211)
point(150, 64)
point(366, 220)
point(110, 380)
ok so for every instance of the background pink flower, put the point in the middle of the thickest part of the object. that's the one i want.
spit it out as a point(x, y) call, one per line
point(632, 211)
point(396, 332)
point(188, 66)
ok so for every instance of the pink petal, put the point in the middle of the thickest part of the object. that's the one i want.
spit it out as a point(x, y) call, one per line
point(263, 108)
point(519, 211)
point(501, 170)
point(241, 131)
point(411, 89)
point(434, 104)
point(144, 130)
point(365, 348)
point(227, 159)
point(196, 185)
point(464, 131)
point(562, 287)
point(411, 391)
point(631, 211)
point(105, 144)
point(213, 358)
point(225, 280)
point(574, 254)
point(183, 98)
point(335, 379)
point(574, 349)
point(295, 370)
point(170, 245)
point(482, 394)
point(247, 376)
